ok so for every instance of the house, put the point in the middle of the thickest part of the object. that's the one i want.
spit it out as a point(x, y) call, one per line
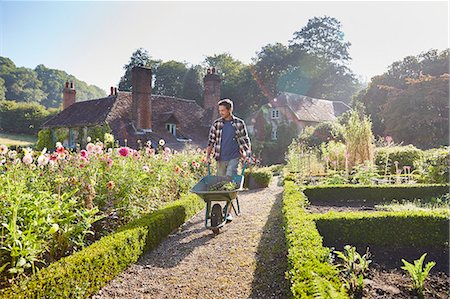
point(289, 108)
point(138, 116)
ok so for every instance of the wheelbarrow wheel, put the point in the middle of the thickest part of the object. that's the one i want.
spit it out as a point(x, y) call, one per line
point(215, 230)
point(216, 216)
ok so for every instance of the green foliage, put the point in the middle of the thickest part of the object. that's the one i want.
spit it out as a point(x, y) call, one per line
point(417, 273)
point(83, 273)
point(334, 153)
point(359, 139)
point(416, 229)
point(385, 158)
point(23, 118)
point(364, 173)
point(435, 165)
point(373, 194)
point(308, 260)
point(140, 57)
point(323, 132)
point(419, 113)
point(261, 176)
point(45, 140)
point(376, 95)
point(354, 267)
point(169, 77)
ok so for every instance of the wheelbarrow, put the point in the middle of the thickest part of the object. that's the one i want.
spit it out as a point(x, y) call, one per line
point(215, 215)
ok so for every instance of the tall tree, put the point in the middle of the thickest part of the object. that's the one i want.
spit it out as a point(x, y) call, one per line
point(272, 61)
point(418, 114)
point(192, 85)
point(323, 37)
point(169, 77)
point(140, 57)
point(375, 96)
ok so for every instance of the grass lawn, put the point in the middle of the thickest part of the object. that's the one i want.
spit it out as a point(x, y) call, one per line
point(17, 139)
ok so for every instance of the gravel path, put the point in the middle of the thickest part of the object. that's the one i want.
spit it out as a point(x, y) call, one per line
point(246, 260)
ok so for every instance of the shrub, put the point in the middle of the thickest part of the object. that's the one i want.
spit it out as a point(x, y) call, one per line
point(405, 156)
point(435, 165)
point(373, 194)
point(310, 271)
point(392, 229)
point(261, 177)
point(85, 272)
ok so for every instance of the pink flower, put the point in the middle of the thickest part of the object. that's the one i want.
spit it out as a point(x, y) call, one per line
point(167, 150)
point(150, 151)
point(90, 148)
point(124, 151)
point(389, 139)
point(110, 162)
point(83, 153)
point(98, 149)
point(84, 161)
point(3, 149)
point(146, 168)
point(27, 159)
point(136, 155)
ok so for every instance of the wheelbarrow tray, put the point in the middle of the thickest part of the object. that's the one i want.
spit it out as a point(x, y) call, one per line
point(202, 187)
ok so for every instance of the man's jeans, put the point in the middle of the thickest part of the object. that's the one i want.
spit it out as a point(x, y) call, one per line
point(227, 168)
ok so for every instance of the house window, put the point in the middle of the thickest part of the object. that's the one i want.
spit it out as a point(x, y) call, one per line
point(275, 113)
point(172, 128)
point(274, 134)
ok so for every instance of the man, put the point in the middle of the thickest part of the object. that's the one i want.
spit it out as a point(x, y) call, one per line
point(229, 139)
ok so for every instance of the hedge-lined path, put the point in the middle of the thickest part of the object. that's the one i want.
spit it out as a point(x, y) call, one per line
point(246, 260)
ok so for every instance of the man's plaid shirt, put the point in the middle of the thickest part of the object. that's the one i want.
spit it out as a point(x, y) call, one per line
point(215, 136)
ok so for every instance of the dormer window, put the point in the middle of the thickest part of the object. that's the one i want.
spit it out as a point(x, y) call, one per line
point(275, 113)
point(172, 128)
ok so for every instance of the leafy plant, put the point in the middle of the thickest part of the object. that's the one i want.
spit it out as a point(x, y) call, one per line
point(417, 273)
point(354, 267)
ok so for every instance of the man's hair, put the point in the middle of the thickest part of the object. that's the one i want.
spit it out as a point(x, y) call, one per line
point(227, 103)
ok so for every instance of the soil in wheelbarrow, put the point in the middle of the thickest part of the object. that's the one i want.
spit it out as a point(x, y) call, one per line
point(246, 260)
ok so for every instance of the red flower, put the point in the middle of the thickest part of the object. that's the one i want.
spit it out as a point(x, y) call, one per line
point(124, 151)
point(60, 150)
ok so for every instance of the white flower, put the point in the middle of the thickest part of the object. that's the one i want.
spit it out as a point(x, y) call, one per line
point(146, 168)
point(42, 160)
point(149, 143)
point(58, 144)
point(12, 154)
point(162, 142)
point(27, 159)
point(88, 139)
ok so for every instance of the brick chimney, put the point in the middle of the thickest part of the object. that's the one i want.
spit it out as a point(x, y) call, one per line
point(212, 90)
point(141, 81)
point(69, 94)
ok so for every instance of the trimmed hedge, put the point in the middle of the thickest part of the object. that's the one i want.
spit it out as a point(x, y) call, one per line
point(85, 272)
point(257, 178)
point(392, 229)
point(308, 260)
point(373, 194)
point(408, 155)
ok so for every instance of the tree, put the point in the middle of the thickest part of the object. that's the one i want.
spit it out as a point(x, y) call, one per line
point(140, 57)
point(2, 89)
point(272, 61)
point(192, 85)
point(323, 37)
point(418, 114)
point(375, 96)
point(169, 77)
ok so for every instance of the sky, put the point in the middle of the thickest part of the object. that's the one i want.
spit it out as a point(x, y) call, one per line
point(94, 40)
